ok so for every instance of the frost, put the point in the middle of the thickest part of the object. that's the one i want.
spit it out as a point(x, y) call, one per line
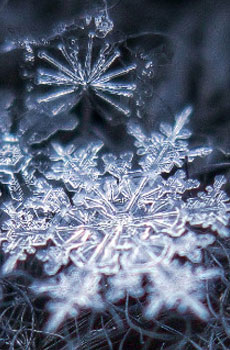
point(118, 224)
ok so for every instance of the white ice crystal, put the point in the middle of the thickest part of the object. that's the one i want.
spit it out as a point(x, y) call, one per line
point(120, 225)
point(31, 223)
point(72, 70)
point(71, 290)
point(77, 169)
point(13, 161)
point(81, 62)
point(178, 286)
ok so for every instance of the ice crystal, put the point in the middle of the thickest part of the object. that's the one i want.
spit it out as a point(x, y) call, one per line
point(120, 223)
point(73, 288)
point(31, 223)
point(70, 71)
point(13, 161)
point(77, 169)
point(210, 208)
point(185, 286)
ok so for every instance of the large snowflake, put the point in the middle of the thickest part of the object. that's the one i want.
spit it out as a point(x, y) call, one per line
point(121, 224)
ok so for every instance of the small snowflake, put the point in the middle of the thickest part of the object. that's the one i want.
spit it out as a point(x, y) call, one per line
point(178, 286)
point(70, 291)
point(70, 71)
point(210, 208)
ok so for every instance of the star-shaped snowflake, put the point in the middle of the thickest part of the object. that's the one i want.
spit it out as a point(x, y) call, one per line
point(121, 224)
point(73, 76)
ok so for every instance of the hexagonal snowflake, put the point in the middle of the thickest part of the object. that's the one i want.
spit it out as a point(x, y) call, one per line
point(127, 223)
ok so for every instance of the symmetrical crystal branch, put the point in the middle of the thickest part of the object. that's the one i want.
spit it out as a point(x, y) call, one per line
point(79, 62)
point(121, 224)
point(74, 77)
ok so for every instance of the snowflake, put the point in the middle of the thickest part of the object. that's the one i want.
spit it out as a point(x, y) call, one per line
point(127, 223)
point(72, 70)
point(71, 290)
point(7, 99)
point(116, 223)
point(77, 169)
point(81, 62)
point(185, 285)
